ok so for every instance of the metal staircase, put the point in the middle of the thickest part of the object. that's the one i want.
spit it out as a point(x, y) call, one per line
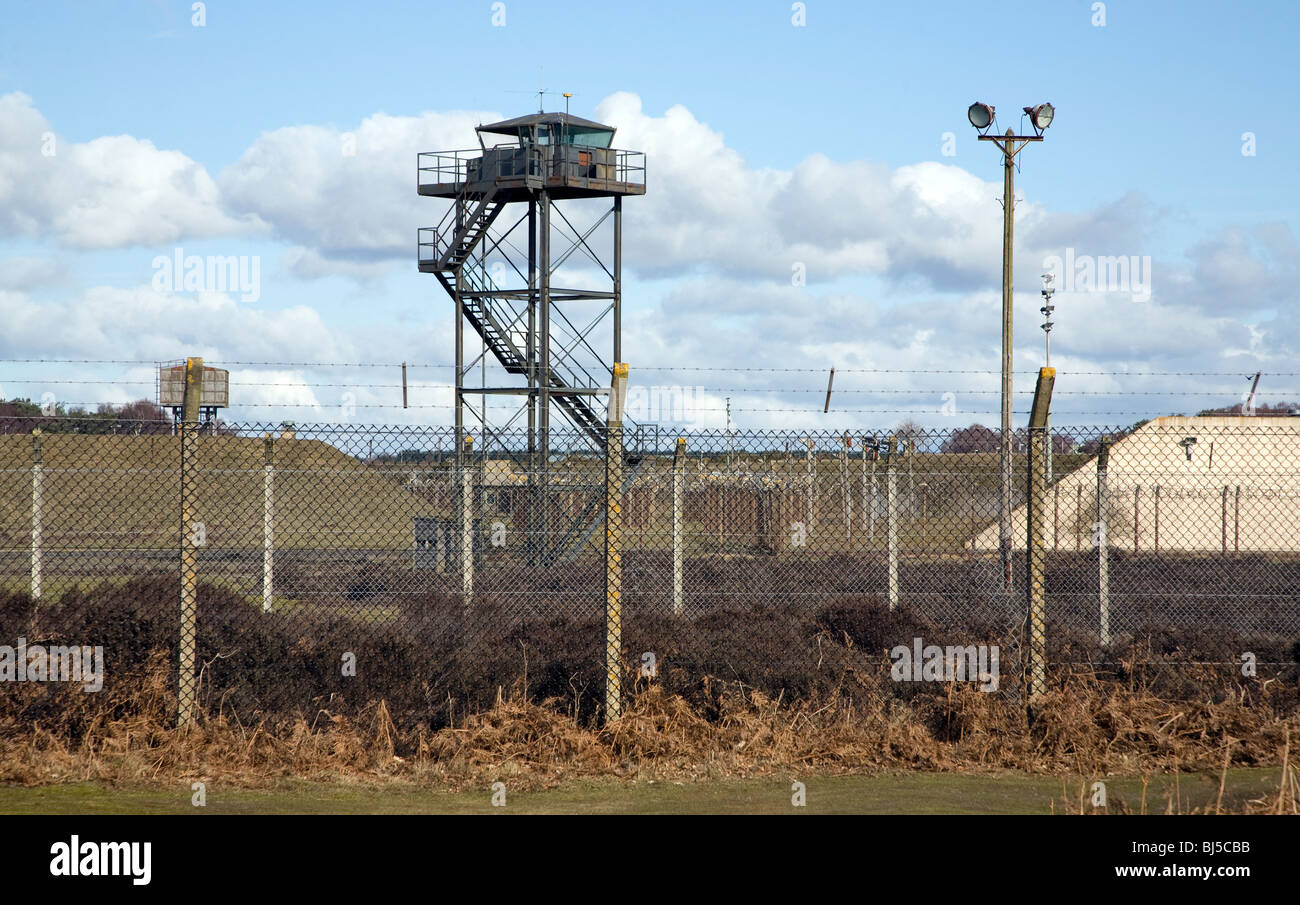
point(496, 319)
point(466, 239)
point(500, 318)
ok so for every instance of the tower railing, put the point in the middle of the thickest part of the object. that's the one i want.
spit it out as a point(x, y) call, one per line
point(570, 163)
point(444, 167)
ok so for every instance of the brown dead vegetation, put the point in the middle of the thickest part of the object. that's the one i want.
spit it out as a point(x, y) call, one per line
point(1087, 727)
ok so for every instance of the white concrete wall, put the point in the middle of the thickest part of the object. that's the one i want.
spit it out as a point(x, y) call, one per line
point(1256, 459)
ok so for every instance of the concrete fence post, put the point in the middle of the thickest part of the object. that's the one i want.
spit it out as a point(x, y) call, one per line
point(38, 510)
point(1035, 547)
point(614, 544)
point(1035, 585)
point(192, 534)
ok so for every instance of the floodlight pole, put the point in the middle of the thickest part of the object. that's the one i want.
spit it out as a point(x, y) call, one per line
point(1010, 144)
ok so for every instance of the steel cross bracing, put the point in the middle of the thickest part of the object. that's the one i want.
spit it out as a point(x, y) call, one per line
point(529, 334)
point(505, 319)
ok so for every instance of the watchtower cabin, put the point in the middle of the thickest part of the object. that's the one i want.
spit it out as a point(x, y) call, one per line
point(530, 252)
point(565, 155)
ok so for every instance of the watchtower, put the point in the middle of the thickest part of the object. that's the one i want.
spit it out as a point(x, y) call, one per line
point(531, 326)
point(214, 392)
point(550, 324)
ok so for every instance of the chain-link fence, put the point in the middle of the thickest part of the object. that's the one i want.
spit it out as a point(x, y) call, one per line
point(328, 565)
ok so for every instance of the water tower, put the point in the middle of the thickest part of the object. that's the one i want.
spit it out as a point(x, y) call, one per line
point(506, 251)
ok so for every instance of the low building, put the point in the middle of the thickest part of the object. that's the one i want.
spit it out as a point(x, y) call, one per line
point(1219, 484)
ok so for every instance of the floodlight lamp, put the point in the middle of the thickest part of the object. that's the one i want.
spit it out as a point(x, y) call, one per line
point(980, 115)
point(1041, 116)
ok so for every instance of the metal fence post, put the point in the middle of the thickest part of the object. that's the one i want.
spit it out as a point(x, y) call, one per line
point(1223, 548)
point(1155, 521)
point(891, 520)
point(1236, 521)
point(268, 523)
point(190, 535)
point(1035, 552)
point(864, 481)
point(1103, 552)
point(1056, 517)
point(679, 481)
point(1137, 503)
point(467, 522)
point(613, 544)
point(38, 510)
point(845, 483)
point(812, 487)
point(871, 522)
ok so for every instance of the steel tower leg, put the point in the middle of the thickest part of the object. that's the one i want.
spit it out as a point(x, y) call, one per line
point(459, 303)
point(618, 279)
point(544, 350)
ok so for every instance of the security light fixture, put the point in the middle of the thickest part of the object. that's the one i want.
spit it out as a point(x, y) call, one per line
point(980, 115)
point(1041, 116)
point(1187, 443)
point(1047, 310)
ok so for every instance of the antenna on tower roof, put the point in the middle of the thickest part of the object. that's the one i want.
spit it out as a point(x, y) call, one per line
point(540, 90)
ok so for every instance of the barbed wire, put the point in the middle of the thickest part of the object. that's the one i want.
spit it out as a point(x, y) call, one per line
point(323, 405)
point(930, 410)
point(668, 368)
point(749, 390)
point(213, 362)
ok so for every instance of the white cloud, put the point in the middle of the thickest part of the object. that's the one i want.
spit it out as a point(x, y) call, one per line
point(111, 192)
point(725, 232)
point(148, 325)
point(705, 210)
point(346, 195)
point(22, 272)
point(310, 264)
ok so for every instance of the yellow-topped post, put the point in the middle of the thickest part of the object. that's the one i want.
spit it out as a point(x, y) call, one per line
point(1035, 552)
point(192, 535)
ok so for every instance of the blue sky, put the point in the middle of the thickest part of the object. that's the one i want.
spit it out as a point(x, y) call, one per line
point(1145, 160)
